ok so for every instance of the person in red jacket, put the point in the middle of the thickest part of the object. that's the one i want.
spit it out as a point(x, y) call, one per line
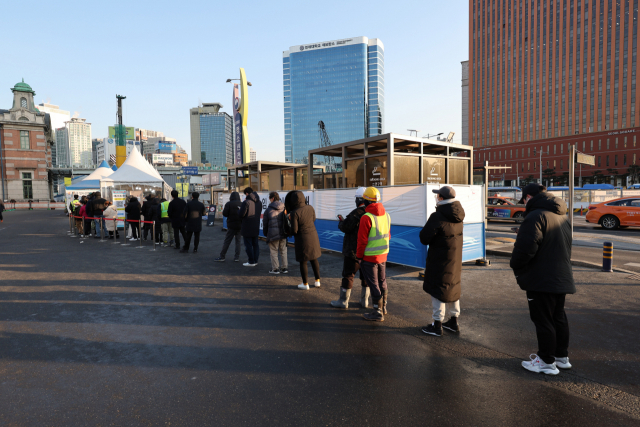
point(372, 250)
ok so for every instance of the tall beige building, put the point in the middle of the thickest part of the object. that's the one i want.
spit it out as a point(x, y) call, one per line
point(79, 141)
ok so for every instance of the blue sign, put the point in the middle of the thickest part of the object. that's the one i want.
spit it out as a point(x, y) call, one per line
point(164, 146)
point(190, 170)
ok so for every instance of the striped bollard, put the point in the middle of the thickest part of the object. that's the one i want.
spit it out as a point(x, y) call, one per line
point(607, 257)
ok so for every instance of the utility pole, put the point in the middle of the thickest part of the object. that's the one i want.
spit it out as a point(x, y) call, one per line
point(545, 152)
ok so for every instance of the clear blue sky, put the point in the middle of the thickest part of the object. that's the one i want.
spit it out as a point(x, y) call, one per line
point(167, 56)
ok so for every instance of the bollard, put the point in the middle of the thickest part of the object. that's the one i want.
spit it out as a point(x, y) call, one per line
point(607, 257)
point(74, 230)
point(126, 241)
point(140, 233)
point(154, 235)
point(103, 229)
point(115, 231)
point(70, 223)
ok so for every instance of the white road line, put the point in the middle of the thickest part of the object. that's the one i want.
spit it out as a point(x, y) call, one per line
point(633, 264)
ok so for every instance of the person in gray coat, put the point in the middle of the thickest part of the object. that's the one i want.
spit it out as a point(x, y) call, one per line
point(273, 230)
point(541, 262)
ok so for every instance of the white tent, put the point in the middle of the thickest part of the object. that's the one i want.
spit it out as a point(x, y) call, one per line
point(135, 171)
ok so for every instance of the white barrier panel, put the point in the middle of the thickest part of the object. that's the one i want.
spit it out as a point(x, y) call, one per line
point(469, 196)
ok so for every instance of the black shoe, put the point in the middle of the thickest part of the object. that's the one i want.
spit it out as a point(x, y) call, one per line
point(184, 251)
point(219, 259)
point(432, 330)
point(452, 325)
point(375, 315)
point(284, 270)
point(195, 251)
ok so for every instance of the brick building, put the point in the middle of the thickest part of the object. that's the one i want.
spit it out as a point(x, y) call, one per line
point(25, 148)
point(545, 74)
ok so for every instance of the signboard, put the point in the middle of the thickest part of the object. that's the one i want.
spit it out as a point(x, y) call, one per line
point(586, 159)
point(237, 124)
point(164, 159)
point(211, 216)
point(67, 182)
point(119, 197)
point(190, 170)
point(166, 146)
point(130, 133)
point(182, 189)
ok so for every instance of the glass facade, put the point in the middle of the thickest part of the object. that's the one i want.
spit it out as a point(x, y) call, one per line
point(216, 139)
point(339, 83)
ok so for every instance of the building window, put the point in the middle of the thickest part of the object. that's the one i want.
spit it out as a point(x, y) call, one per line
point(528, 166)
point(615, 160)
point(607, 160)
point(561, 166)
point(27, 186)
point(599, 161)
point(624, 160)
point(554, 149)
point(24, 139)
point(23, 102)
point(625, 142)
point(599, 144)
point(607, 145)
point(591, 145)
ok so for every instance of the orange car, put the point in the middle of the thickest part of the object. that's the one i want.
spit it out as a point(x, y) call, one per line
point(615, 213)
point(504, 207)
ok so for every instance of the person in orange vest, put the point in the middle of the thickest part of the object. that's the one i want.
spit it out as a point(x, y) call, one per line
point(373, 247)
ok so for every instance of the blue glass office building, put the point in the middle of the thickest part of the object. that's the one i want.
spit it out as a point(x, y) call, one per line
point(339, 82)
point(216, 139)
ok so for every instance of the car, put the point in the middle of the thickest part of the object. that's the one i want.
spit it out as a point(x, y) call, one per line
point(505, 207)
point(616, 213)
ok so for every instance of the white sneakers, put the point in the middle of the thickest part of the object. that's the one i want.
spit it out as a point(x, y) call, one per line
point(563, 363)
point(246, 264)
point(306, 287)
point(537, 365)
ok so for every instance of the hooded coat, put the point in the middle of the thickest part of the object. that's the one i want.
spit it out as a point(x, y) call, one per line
point(175, 212)
point(541, 258)
point(443, 234)
point(303, 227)
point(231, 212)
point(350, 227)
point(133, 209)
point(109, 214)
point(250, 212)
point(193, 212)
point(273, 222)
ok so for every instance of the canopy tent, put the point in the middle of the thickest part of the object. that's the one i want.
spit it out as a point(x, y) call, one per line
point(92, 181)
point(135, 171)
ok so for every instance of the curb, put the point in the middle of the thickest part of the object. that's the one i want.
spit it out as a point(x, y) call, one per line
point(576, 262)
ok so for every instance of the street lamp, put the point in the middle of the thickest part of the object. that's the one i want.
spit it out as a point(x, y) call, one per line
point(433, 134)
point(230, 80)
point(541, 153)
point(413, 130)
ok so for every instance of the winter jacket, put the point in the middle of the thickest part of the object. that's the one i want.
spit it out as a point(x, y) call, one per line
point(303, 227)
point(443, 234)
point(176, 211)
point(109, 214)
point(350, 227)
point(273, 222)
point(133, 209)
point(82, 213)
point(231, 212)
point(89, 208)
point(541, 258)
point(375, 209)
point(150, 209)
point(99, 207)
point(193, 212)
point(250, 212)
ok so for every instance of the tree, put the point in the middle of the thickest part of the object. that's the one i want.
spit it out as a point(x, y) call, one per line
point(634, 173)
point(549, 174)
point(597, 177)
point(528, 180)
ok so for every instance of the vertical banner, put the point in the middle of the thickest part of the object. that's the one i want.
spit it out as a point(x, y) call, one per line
point(119, 197)
point(237, 124)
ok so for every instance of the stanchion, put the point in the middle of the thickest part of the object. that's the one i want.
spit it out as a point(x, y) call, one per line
point(154, 235)
point(140, 233)
point(70, 223)
point(124, 226)
point(74, 231)
point(607, 257)
point(115, 231)
point(103, 229)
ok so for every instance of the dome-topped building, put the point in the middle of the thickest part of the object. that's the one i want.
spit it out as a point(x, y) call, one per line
point(22, 87)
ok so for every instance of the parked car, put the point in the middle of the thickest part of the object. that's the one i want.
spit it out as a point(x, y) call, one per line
point(505, 207)
point(622, 212)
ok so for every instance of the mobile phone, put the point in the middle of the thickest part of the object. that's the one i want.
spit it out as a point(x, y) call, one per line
point(340, 217)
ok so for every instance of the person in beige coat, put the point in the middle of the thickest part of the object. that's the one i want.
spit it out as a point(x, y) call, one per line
point(109, 214)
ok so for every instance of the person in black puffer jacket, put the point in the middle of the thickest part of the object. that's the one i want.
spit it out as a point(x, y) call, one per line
point(273, 229)
point(133, 210)
point(234, 224)
point(442, 275)
point(250, 212)
point(307, 243)
point(541, 262)
point(349, 226)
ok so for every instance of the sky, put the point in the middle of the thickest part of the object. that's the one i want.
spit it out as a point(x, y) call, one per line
point(167, 57)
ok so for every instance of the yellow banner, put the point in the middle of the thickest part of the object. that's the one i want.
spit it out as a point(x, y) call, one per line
point(182, 189)
point(67, 182)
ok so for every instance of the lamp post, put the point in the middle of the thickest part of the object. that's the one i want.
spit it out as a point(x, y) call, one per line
point(413, 130)
point(230, 80)
point(433, 134)
point(541, 152)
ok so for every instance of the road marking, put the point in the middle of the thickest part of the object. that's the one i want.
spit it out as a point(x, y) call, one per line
point(633, 264)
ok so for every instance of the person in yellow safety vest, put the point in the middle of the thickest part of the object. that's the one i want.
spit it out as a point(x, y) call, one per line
point(373, 246)
point(75, 204)
point(165, 223)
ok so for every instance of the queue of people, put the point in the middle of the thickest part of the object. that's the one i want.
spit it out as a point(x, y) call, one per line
point(541, 258)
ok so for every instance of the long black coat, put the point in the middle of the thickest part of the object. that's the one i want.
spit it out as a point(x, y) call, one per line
point(350, 227)
point(175, 212)
point(193, 212)
point(250, 212)
point(232, 212)
point(443, 234)
point(307, 243)
point(541, 258)
point(133, 210)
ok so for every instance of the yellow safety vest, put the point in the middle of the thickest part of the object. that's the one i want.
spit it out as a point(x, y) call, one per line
point(165, 208)
point(378, 243)
point(76, 202)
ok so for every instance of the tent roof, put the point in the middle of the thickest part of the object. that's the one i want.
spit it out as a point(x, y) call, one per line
point(85, 184)
point(93, 179)
point(134, 170)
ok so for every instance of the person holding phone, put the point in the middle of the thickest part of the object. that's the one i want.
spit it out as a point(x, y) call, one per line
point(349, 226)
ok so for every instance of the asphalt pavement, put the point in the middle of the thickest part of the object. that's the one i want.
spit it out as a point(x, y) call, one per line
point(96, 333)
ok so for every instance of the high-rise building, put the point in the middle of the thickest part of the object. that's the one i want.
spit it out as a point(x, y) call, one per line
point(465, 102)
point(547, 75)
point(58, 119)
point(77, 140)
point(94, 150)
point(338, 82)
point(252, 155)
point(211, 136)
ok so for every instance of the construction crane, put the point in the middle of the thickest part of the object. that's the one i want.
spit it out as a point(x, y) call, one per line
point(325, 141)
